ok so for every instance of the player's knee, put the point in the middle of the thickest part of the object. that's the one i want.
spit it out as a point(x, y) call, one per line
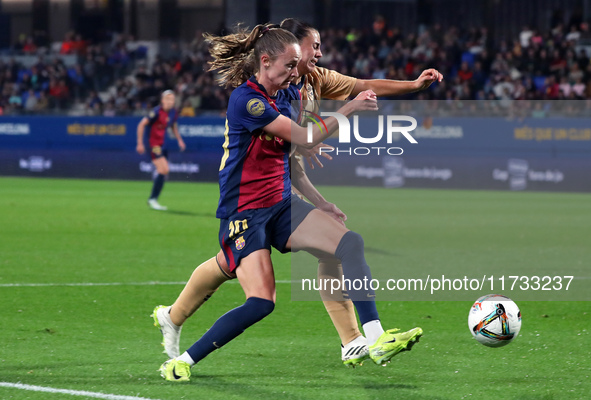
point(352, 241)
point(259, 308)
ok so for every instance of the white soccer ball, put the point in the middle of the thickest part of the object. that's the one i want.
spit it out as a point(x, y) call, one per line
point(494, 320)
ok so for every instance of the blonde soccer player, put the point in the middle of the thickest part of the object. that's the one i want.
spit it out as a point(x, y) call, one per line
point(159, 121)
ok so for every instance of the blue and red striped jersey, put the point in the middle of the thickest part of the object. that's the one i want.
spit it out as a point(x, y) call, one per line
point(254, 171)
point(159, 122)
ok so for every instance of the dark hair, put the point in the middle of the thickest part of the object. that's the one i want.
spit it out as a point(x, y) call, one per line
point(237, 56)
point(300, 29)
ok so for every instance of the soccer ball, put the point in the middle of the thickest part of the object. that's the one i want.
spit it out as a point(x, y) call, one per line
point(494, 320)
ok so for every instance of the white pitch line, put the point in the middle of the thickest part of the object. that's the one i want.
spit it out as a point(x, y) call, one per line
point(70, 392)
point(150, 283)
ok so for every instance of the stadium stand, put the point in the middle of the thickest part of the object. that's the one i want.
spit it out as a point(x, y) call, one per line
point(124, 77)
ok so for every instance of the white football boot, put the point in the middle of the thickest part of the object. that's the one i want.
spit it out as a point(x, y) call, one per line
point(171, 335)
point(355, 352)
point(154, 205)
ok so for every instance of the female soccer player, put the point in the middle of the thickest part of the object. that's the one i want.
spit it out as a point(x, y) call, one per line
point(315, 83)
point(255, 199)
point(160, 119)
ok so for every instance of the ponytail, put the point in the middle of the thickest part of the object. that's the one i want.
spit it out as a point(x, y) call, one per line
point(236, 57)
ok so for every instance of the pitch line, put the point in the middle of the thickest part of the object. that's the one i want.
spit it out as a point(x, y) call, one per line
point(84, 393)
point(149, 283)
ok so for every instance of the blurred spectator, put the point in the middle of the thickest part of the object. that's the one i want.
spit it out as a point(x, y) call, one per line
point(187, 110)
point(109, 110)
point(579, 88)
point(15, 101)
point(465, 73)
point(29, 46)
point(68, 45)
point(42, 103)
point(524, 36)
point(59, 93)
point(565, 87)
point(31, 101)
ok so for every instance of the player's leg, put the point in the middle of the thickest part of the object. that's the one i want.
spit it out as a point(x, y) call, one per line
point(257, 279)
point(338, 305)
point(354, 349)
point(318, 231)
point(212, 273)
point(258, 282)
point(161, 165)
point(204, 281)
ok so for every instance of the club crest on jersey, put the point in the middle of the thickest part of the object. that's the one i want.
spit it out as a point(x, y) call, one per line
point(255, 107)
point(240, 243)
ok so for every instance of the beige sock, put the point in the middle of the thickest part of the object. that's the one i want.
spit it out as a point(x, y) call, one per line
point(341, 311)
point(205, 280)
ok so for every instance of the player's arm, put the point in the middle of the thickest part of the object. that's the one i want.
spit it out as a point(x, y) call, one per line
point(301, 182)
point(286, 129)
point(389, 87)
point(177, 135)
point(141, 127)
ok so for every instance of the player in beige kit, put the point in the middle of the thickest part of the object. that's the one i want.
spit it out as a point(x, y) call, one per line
point(315, 83)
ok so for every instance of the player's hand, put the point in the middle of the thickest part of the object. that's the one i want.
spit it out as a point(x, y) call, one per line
point(311, 155)
point(182, 145)
point(366, 100)
point(140, 148)
point(334, 212)
point(427, 77)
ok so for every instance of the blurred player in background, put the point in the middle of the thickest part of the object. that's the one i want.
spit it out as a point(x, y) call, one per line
point(160, 120)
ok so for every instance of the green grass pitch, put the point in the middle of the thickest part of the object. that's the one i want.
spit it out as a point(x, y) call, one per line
point(101, 339)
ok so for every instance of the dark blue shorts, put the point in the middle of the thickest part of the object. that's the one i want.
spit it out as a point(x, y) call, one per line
point(157, 152)
point(263, 228)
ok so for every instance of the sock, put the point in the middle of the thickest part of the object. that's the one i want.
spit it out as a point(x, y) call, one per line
point(355, 269)
point(339, 308)
point(373, 330)
point(157, 187)
point(205, 280)
point(175, 326)
point(186, 358)
point(230, 325)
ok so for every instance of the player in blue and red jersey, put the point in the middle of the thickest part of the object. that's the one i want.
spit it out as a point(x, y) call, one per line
point(256, 210)
point(160, 120)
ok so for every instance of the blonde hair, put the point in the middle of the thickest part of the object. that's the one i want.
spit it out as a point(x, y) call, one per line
point(237, 56)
